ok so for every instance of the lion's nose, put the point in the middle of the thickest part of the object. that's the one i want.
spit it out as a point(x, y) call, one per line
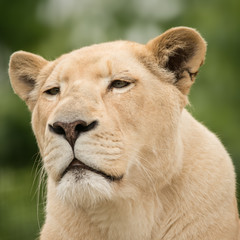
point(71, 131)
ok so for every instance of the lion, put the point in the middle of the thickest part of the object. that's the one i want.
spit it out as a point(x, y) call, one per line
point(125, 160)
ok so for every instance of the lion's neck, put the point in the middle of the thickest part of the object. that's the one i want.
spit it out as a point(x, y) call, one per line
point(125, 219)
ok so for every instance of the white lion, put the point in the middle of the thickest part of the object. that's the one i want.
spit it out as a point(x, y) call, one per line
point(125, 160)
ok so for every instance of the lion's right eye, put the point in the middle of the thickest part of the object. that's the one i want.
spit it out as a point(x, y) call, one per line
point(53, 91)
point(119, 84)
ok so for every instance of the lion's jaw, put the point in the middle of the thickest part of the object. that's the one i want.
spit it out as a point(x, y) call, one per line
point(125, 145)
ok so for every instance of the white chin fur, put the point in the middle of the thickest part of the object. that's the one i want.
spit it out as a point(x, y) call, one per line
point(84, 189)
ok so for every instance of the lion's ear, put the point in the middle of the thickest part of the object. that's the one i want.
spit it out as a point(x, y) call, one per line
point(180, 50)
point(24, 69)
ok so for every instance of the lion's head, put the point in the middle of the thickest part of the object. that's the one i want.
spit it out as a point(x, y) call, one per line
point(106, 117)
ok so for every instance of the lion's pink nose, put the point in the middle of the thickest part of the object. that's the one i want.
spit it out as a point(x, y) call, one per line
point(71, 131)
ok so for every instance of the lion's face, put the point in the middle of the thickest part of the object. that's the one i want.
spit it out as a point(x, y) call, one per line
point(124, 105)
point(106, 119)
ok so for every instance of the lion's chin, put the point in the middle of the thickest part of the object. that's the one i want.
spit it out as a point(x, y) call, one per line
point(82, 187)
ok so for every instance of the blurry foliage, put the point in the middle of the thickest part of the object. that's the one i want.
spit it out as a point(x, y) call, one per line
point(53, 27)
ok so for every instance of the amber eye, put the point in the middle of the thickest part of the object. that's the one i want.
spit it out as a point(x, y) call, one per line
point(119, 84)
point(53, 91)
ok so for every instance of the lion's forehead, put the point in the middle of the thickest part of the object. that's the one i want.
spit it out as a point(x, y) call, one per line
point(97, 61)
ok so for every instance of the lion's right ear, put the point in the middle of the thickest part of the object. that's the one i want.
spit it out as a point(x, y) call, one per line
point(24, 69)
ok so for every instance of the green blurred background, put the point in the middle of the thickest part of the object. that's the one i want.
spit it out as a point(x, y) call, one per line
point(53, 27)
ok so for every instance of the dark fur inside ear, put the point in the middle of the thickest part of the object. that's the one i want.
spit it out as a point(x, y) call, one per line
point(181, 51)
point(28, 80)
point(178, 59)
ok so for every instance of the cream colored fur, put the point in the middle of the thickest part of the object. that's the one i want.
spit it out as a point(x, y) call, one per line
point(178, 181)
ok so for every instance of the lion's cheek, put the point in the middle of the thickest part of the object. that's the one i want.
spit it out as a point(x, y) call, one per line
point(130, 111)
point(40, 118)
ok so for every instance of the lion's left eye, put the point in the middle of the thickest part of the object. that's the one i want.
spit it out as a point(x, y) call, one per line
point(53, 91)
point(119, 84)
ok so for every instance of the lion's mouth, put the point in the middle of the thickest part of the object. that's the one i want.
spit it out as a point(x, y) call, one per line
point(80, 166)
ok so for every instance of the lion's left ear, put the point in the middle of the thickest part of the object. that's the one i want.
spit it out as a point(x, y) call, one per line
point(180, 50)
